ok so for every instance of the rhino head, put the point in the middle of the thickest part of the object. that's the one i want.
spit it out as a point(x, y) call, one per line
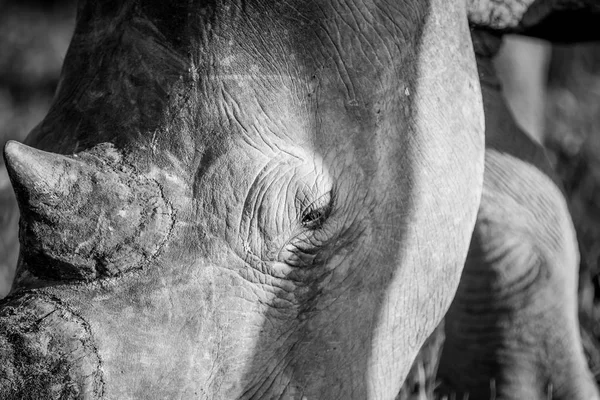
point(255, 200)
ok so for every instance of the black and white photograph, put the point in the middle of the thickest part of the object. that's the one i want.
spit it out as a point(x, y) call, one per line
point(299, 199)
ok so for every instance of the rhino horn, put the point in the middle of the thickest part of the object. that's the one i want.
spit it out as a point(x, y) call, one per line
point(35, 172)
point(84, 217)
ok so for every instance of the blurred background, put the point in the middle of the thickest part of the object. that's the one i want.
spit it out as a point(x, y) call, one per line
point(34, 37)
point(554, 92)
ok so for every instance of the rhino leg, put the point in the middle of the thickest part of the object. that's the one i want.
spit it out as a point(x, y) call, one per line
point(512, 329)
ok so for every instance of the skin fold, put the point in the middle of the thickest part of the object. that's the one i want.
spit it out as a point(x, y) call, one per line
point(243, 201)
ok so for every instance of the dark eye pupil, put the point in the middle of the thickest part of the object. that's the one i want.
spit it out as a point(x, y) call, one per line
point(313, 217)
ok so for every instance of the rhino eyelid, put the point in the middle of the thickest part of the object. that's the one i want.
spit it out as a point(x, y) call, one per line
point(315, 214)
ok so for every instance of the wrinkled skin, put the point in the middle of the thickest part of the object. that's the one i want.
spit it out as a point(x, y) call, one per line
point(254, 205)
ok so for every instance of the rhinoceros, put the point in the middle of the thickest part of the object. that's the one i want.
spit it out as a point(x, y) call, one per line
point(276, 199)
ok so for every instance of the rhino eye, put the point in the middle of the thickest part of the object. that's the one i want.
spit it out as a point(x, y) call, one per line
point(316, 213)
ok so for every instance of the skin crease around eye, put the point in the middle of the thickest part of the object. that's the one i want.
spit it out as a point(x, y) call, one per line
point(305, 246)
point(289, 209)
point(317, 212)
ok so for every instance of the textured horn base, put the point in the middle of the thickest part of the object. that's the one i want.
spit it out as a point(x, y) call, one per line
point(47, 352)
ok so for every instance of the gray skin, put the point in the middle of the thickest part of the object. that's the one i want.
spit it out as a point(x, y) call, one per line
point(512, 330)
point(254, 203)
point(256, 200)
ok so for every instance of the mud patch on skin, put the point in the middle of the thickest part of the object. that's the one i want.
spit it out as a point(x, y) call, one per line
point(47, 351)
point(95, 217)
